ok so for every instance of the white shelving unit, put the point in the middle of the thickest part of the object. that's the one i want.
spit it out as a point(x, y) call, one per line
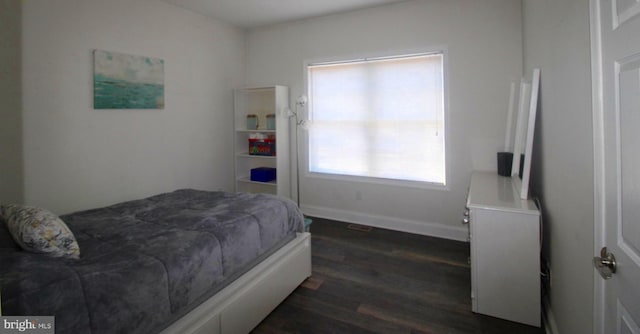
point(504, 231)
point(262, 101)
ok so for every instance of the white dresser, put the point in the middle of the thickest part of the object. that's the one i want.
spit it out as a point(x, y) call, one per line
point(504, 232)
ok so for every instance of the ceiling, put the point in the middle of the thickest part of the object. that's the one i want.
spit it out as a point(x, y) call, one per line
point(254, 13)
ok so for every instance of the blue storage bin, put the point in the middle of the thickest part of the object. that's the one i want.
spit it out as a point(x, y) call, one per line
point(263, 174)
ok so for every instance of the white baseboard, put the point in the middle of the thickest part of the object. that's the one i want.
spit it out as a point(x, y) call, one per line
point(396, 224)
point(548, 319)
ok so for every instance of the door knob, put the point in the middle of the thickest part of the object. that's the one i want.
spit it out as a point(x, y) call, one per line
point(605, 263)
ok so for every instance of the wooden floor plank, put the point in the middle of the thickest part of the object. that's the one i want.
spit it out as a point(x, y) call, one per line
point(383, 281)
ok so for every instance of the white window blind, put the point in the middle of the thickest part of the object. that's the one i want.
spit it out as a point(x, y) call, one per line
point(381, 118)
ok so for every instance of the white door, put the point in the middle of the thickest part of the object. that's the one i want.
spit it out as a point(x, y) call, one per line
point(616, 70)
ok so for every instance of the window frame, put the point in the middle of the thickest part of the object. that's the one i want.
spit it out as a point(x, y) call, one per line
point(303, 149)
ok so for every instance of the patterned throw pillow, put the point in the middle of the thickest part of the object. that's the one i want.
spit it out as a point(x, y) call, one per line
point(40, 231)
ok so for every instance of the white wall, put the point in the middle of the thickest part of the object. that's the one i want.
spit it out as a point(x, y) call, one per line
point(556, 39)
point(11, 189)
point(77, 157)
point(483, 40)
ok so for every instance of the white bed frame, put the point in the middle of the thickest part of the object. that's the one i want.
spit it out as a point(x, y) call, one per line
point(243, 304)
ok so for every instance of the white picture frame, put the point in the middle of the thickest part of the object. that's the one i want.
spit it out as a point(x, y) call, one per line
point(511, 114)
point(519, 140)
point(523, 144)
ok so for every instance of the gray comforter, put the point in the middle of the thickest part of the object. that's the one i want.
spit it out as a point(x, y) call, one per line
point(147, 262)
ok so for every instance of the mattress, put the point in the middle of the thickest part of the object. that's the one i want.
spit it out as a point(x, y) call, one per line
point(147, 262)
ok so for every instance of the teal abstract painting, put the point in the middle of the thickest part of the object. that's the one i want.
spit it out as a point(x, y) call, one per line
point(122, 81)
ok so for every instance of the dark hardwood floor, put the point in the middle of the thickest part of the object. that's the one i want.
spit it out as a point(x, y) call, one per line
point(384, 281)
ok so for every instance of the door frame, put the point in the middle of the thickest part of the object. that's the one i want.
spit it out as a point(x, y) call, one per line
point(599, 234)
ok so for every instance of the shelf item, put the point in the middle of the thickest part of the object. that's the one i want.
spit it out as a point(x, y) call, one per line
point(252, 121)
point(504, 232)
point(271, 121)
point(264, 147)
point(263, 174)
point(261, 138)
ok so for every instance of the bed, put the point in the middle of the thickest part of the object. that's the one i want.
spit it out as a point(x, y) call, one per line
point(188, 261)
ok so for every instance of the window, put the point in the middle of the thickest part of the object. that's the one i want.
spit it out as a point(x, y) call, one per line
point(378, 118)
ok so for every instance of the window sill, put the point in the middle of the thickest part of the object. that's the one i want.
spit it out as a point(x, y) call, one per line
point(378, 181)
